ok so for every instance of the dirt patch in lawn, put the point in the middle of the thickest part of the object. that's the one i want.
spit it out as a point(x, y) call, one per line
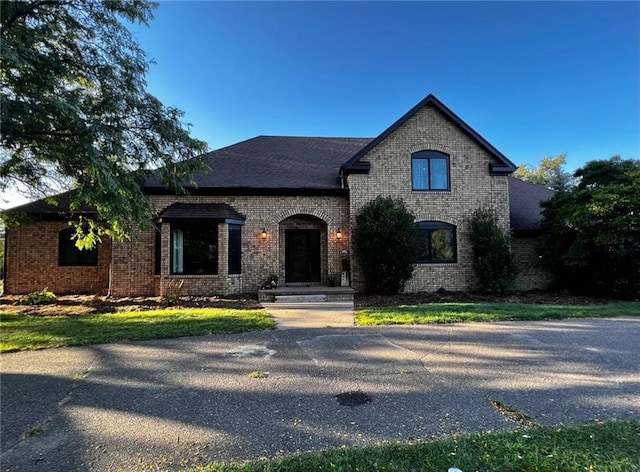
point(70, 305)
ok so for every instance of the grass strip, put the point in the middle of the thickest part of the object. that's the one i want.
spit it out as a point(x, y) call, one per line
point(20, 332)
point(469, 312)
point(603, 447)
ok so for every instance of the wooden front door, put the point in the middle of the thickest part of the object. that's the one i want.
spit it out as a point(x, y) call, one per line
point(302, 255)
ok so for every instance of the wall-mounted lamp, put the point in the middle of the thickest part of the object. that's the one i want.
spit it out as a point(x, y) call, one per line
point(263, 235)
point(339, 234)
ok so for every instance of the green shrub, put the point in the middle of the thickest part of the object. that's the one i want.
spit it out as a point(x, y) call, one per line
point(592, 242)
point(333, 279)
point(37, 298)
point(492, 258)
point(385, 240)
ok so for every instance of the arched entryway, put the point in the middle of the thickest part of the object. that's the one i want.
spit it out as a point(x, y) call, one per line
point(303, 249)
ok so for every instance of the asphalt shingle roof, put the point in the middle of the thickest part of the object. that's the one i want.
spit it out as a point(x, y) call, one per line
point(293, 163)
point(524, 204)
point(198, 211)
point(277, 162)
point(45, 206)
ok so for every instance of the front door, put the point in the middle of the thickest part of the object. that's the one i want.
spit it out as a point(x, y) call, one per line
point(302, 255)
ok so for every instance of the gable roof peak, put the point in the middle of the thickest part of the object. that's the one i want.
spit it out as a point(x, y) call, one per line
point(503, 167)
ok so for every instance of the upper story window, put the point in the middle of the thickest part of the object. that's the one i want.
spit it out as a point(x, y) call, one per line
point(194, 249)
point(70, 255)
point(436, 242)
point(430, 170)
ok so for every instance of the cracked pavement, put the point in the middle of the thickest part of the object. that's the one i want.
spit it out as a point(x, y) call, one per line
point(167, 404)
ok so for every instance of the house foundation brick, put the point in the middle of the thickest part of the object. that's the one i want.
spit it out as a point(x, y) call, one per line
point(134, 262)
point(33, 262)
point(531, 274)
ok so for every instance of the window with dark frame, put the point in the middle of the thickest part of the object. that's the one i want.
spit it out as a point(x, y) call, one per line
point(194, 248)
point(69, 255)
point(430, 171)
point(158, 250)
point(436, 242)
point(235, 249)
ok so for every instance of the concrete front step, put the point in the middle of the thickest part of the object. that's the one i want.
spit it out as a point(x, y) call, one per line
point(301, 298)
point(314, 294)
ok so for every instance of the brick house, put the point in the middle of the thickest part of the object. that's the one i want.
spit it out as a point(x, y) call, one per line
point(285, 206)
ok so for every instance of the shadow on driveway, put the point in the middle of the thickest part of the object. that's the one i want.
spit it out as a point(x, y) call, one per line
point(172, 403)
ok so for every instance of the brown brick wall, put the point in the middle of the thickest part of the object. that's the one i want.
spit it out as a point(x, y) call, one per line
point(260, 257)
point(133, 266)
point(32, 262)
point(531, 275)
point(471, 187)
point(34, 266)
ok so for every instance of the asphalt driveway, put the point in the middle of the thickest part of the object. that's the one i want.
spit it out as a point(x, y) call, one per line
point(171, 403)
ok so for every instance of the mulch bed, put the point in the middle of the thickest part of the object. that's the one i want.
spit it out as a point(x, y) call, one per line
point(70, 305)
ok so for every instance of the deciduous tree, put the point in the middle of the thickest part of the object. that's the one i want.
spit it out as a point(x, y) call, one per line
point(75, 110)
point(549, 173)
point(593, 244)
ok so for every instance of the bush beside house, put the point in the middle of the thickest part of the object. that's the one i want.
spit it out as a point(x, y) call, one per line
point(387, 251)
point(492, 255)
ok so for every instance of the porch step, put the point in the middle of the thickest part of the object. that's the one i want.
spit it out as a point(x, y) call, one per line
point(312, 294)
point(300, 298)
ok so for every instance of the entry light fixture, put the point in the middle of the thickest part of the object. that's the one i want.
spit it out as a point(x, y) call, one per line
point(263, 235)
point(339, 234)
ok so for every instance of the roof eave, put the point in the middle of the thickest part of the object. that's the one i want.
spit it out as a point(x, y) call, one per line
point(253, 191)
point(48, 216)
point(356, 168)
point(500, 169)
point(505, 166)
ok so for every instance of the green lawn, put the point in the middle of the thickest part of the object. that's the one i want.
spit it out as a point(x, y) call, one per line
point(466, 312)
point(20, 332)
point(604, 447)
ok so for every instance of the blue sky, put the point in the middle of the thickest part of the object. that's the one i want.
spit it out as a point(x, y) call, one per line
point(535, 79)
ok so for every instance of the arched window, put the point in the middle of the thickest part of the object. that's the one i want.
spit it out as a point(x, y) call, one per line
point(436, 242)
point(70, 255)
point(429, 170)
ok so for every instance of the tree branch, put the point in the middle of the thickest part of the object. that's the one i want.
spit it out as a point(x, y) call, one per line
point(29, 8)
